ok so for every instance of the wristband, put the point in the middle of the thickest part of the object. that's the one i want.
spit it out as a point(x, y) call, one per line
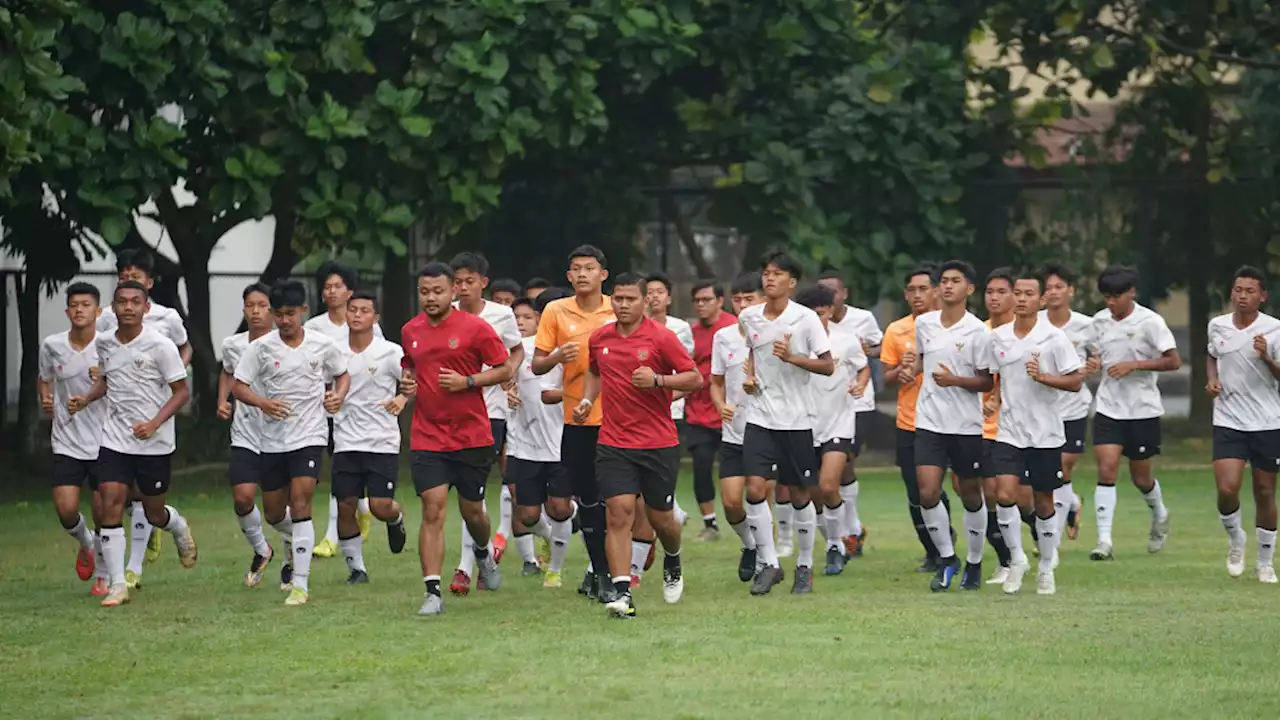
point(471, 382)
point(655, 380)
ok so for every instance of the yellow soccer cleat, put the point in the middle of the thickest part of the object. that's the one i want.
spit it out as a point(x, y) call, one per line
point(325, 549)
point(132, 580)
point(365, 521)
point(297, 596)
point(542, 551)
point(118, 595)
point(187, 552)
point(153, 545)
point(552, 580)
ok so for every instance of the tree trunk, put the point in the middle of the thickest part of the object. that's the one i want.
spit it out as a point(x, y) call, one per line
point(283, 256)
point(29, 425)
point(399, 299)
point(1199, 232)
point(684, 230)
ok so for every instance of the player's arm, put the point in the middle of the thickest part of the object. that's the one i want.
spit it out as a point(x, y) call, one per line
point(493, 354)
point(45, 390)
point(1168, 361)
point(225, 381)
point(179, 394)
point(1071, 382)
point(45, 378)
point(515, 357)
point(546, 353)
point(246, 373)
point(590, 391)
point(184, 353)
point(981, 382)
point(551, 396)
point(1214, 385)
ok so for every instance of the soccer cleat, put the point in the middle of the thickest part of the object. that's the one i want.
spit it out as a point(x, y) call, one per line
point(489, 574)
point(117, 595)
point(1266, 574)
point(802, 584)
point(672, 586)
point(542, 551)
point(946, 572)
point(853, 544)
point(552, 580)
point(286, 576)
point(1235, 560)
point(431, 605)
point(648, 559)
point(1057, 558)
point(1102, 552)
point(365, 521)
point(1159, 534)
point(358, 577)
point(589, 586)
point(461, 584)
point(530, 569)
point(396, 537)
point(765, 579)
point(605, 591)
point(1073, 520)
point(785, 548)
point(499, 547)
point(928, 565)
point(835, 562)
point(708, 534)
point(132, 580)
point(999, 576)
point(325, 549)
point(187, 550)
point(621, 607)
point(297, 596)
point(1045, 584)
point(153, 546)
point(747, 565)
point(1017, 570)
point(971, 579)
point(85, 563)
point(256, 567)
point(100, 587)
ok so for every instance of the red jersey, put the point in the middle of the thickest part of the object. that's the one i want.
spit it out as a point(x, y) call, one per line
point(446, 421)
point(636, 418)
point(698, 408)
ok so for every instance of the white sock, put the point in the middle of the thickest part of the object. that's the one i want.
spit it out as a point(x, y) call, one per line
point(784, 513)
point(1010, 520)
point(304, 541)
point(100, 562)
point(849, 495)
point(285, 528)
point(805, 519)
point(1047, 530)
point(1266, 546)
point(467, 563)
point(113, 554)
point(744, 534)
point(1155, 501)
point(639, 553)
point(177, 524)
point(936, 521)
point(251, 526)
point(331, 534)
point(353, 551)
point(1064, 498)
point(505, 510)
point(760, 522)
point(1231, 523)
point(524, 546)
point(1104, 501)
point(362, 506)
point(81, 533)
point(139, 534)
point(833, 525)
point(560, 532)
point(681, 515)
point(543, 528)
point(975, 526)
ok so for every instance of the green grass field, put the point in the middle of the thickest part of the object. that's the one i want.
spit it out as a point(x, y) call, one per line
point(1146, 636)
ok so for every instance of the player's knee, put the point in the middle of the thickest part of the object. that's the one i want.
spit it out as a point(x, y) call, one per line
point(383, 508)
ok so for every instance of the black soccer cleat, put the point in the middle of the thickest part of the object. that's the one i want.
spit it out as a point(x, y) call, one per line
point(286, 576)
point(768, 576)
point(358, 577)
point(835, 562)
point(928, 565)
point(588, 586)
point(747, 565)
point(972, 577)
point(396, 537)
point(606, 592)
point(803, 582)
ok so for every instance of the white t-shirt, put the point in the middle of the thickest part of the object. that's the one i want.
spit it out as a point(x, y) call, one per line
point(163, 319)
point(1029, 411)
point(363, 424)
point(684, 333)
point(963, 348)
point(784, 399)
point(863, 326)
point(338, 333)
point(503, 321)
point(834, 414)
point(1074, 406)
point(533, 429)
point(75, 436)
point(297, 376)
point(729, 353)
point(1142, 335)
point(246, 421)
point(1250, 397)
point(138, 376)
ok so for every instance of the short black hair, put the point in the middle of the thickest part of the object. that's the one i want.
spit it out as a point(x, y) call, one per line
point(131, 285)
point(551, 294)
point(332, 267)
point(588, 251)
point(1001, 273)
point(136, 258)
point(658, 277)
point(288, 293)
point(748, 282)
point(521, 302)
point(369, 295)
point(832, 274)
point(630, 278)
point(703, 284)
point(84, 288)
point(504, 285)
point(816, 296)
point(471, 262)
point(783, 262)
point(1252, 273)
point(960, 266)
point(258, 287)
point(1031, 275)
point(1056, 268)
point(536, 283)
point(920, 270)
point(1117, 280)
point(434, 269)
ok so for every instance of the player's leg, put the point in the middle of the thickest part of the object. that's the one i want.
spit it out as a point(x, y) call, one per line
point(432, 485)
point(1066, 496)
point(244, 474)
point(101, 581)
point(115, 474)
point(802, 467)
point(469, 470)
point(784, 519)
point(578, 455)
point(382, 470)
point(995, 538)
point(348, 476)
point(498, 428)
point(855, 534)
point(274, 481)
point(1264, 456)
point(1108, 447)
point(931, 458)
point(142, 537)
point(559, 511)
point(832, 459)
point(1044, 476)
point(1230, 453)
point(658, 490)
point(153, 474)
point(969, 454)
point(328, 545)
point(68, 474)
point(705, 445)
point(1142, 444)
point(905, 458)
point(620, 489)
point(760, 457)
point(303, 468)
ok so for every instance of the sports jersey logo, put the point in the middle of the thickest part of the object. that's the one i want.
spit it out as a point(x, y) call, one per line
point(643, 355)
point(959, 346)
point(453, 343)
point(315, 364)
point(138, 362)
point(373, 370)
point(605, 351)
point(1130, 335)
point(277, 363)
point(415, 344)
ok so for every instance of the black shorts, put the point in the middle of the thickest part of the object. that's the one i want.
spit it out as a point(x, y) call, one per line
point(785, 454)
point(648, 473)
point(1039, 468)
point(1139, 439)
point(498, 427)
point(356, 474)
point(904, 448)
point(329, 447)
point(536, 481)
point(464, 470)
point(151, 474)
point(988, 458)
point(697, 435)
point(578, 455)
point(731, 461)
point(1261, 448)
point(279, 469)
point(245, 467)
point(834, 445)
point(1075, 430)
point(67, 471)
point(860, 423)
point(961, 453)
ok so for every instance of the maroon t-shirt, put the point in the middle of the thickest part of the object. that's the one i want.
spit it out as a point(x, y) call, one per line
point(444, 421)
point(636, 418)
point(698, 408)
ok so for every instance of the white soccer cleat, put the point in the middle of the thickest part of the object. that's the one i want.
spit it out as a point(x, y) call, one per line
point(1266, 574)
point(1235, 560)
point(1159, 534)
point(1102, 552)
point(672, 588)
point(1057, 558)
point(999, 576)
point(1017, 570)
point(1045, 584)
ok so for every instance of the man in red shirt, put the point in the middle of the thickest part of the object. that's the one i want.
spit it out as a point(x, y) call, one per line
point(634, 365)
point(702, 420)
point(451, 443)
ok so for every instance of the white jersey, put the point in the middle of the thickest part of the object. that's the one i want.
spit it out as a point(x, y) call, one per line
point(784, 397)
point(363, 424)
point(1074, 406)
point(533, 429)
point(296, 376)
point(338, 333)
point(503, 321)
point(1029, 410)
point(729, 353)
point(863, 325)
point(833, 406)
point(684, 333)
point(1142, 335)
point(160, 318)
point(67, 369)
point(1250, 397)
point(963, 348)
point(246, 421)
point(138, 376)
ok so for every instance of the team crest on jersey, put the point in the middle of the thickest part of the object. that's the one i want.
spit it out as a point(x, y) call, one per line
point(138, 362)
point(959, 347)
point(642, 355)
point(315, 364)
point(1130, 335)
point(373, 370)
point(453, 343)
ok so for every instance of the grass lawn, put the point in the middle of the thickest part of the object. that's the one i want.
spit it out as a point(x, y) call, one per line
point(1146, 636)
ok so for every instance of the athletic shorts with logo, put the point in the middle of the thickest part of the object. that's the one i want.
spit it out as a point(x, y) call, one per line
point(279, 469)
point(785, 454)
point(1260, 448)
point(1038, 468)
point(650, 473)
point(1140, 439)
point(151, 474)
point(356, 474)
point(960, 453)
point(464, 470)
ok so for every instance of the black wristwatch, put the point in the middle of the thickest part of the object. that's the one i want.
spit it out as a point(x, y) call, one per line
point(471, 382)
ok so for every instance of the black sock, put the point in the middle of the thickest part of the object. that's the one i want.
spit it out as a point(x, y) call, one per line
point(622, 586)
point(996, 538)
point(922, 532)
point(592, 519)
point(433, 587)
point(671, 563)
point(711, 523)
point(480, 551)
point(1029, 518)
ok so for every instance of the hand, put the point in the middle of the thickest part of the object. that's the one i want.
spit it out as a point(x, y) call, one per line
point(275, 409)
point(144, 430)
point(643, 377)
point(224, 410)
point(451, 381)
point(1120, 370)
point(94, 373)
point(749, 385)
point(76, 403)
point(509, 385)
point(581, 411)
point(782, 348)
point(906, 374)
point(568, 352)
point(1213, 387)
point(1092, 365)
point(990, 406)
point(1033, 368)
point(908, 358)
point(46, 403)
point(1260, 345)
point(858, 388)
point(726, 414)
point(513, 399)
point(395, 405)
point(943, 376)
point(408, 384)
point(332, 402)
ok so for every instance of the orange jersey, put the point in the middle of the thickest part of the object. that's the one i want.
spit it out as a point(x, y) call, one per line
point(990, 424)
point(564, 321)
point(899, 338)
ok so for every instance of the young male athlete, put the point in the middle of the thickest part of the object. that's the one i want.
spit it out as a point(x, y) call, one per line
point(1132, 343)
point(634, 366)
point(1059, 291)
point(366, 435)
point(702, 419)
point(504, 291)
point(535, 286)
point(245, 468)
point(145, 383)
point(658, 303)
point(953, 365)
point(68, 367)
point(1036, 362)
point(1244, 366)
point(563, 331)
point(284, 374)
point(788, 345)
point(998, 298)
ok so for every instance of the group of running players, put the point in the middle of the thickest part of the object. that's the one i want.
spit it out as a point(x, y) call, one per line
point(585, 400)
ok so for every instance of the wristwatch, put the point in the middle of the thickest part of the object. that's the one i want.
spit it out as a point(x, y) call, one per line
point(471, 382)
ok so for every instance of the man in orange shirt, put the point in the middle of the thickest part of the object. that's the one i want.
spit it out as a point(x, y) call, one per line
point(563, 331)
point(898, 352)
point(998, 298)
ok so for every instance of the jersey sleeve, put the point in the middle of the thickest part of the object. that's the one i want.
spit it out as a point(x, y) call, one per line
point(334, 362)
point(249, 367)
point(545, 340)
point(873, 336)
point(816, 335)
point(228, 362)
point(890, 350)
point(685, 334)
point(1092, 340)
point(982, 359)
point(1064, 356)
point(170, 362)
point(717, 356)
point(674, 355)
point(174, 329)
point(1210, 347)
point(492, 350)
point(393, 362)
point(106, 321)
point(46, 363)
point(1160, 336)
